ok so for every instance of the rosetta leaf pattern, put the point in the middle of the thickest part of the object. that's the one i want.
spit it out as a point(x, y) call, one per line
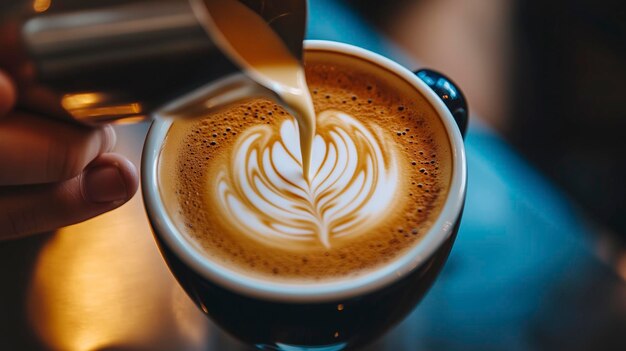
point(262, 192)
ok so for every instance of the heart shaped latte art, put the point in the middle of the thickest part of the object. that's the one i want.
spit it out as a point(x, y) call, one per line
point(352, 182)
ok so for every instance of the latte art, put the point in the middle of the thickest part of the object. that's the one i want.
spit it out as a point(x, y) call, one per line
point(353, 178)
point(233, 180)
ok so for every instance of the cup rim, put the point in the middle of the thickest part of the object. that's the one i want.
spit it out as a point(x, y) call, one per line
point(340, 289)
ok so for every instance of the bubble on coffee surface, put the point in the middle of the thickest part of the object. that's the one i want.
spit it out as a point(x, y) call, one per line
point(353, 178)
point(341, 95)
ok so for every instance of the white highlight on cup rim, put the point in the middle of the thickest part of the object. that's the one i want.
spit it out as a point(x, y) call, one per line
point(313, 292)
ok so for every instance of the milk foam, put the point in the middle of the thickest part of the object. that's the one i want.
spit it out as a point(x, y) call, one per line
point(266, 58)
point(262, 192)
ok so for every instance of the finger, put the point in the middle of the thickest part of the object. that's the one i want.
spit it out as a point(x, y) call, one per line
point(7, 94)
point(37, 150)
point(107, 183)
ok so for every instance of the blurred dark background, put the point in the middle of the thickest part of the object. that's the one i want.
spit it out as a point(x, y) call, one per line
point(548, 75)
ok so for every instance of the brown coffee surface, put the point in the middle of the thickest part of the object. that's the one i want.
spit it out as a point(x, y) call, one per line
point(194, 152)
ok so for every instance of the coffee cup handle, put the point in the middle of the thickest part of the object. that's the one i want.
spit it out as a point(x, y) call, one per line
point(449, 93)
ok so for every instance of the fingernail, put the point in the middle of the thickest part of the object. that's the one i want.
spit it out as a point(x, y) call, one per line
point(109, 138)
point(104, 184)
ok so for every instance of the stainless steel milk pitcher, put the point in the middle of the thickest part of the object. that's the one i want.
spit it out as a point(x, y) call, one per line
point(99, 61)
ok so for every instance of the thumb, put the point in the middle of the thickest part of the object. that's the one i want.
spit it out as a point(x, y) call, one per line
point(106, 183)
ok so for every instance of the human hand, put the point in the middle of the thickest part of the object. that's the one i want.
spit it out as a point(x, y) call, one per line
point(54, 174)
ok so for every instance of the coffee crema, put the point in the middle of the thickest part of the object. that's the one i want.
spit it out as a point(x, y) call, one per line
point(380, 169)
